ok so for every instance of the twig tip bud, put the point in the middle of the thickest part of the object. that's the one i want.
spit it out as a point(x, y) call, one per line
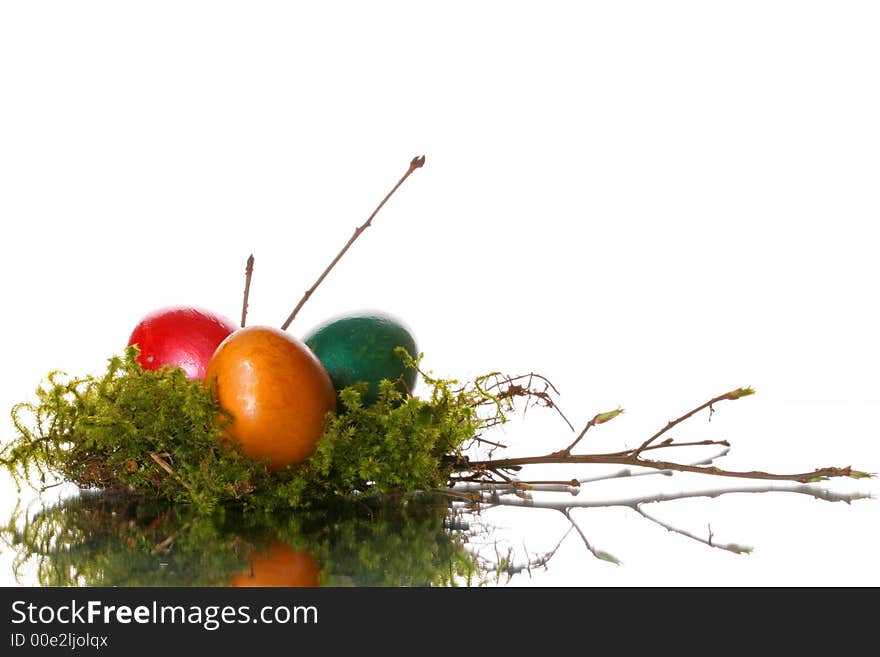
point(740, 392)
point(858, 474)
point(602, 418)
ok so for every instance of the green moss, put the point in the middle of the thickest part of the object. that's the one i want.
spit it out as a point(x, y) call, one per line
point(157, 434)
point(108, 539)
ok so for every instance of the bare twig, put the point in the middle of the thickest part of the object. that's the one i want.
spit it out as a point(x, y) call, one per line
point(504, 388)
point(600, 418)
point(631, 460)
point(477, 482)
point(416, 163)
point(633, 457)
point(732, 395)
point(162, 463)
point(248, 272)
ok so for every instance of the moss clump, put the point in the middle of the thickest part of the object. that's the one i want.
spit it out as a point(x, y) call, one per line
point(158, 434)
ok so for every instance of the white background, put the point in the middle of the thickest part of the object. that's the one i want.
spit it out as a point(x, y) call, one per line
point(649, 202)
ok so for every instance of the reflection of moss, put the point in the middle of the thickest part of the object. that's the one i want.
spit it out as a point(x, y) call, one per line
point(101, 539)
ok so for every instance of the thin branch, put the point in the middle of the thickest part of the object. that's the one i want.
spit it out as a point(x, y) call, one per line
point(507, 388)
point(693, 443)
point(599, 418)
point(669, 444)
point(162, 463)
point(248, 272)
point(477, 482)
point(480, 439)
point(416, 163)
point(583, 433)
point(632, 457)
point(732, 395)
point(632, 460)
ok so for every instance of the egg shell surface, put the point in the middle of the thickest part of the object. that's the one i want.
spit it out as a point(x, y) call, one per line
point(276, 390)
point(360, 347)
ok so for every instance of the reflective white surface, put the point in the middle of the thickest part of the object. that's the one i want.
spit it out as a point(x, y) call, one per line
point(649, 203)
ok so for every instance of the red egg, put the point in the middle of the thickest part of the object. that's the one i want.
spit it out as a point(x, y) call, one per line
point(180, 336)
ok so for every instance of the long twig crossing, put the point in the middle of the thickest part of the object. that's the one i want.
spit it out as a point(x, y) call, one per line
point(416, 163)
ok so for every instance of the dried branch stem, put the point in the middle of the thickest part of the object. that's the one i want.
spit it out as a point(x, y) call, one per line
point(684, 417)
point(591, 423)
point(248, 273)
point(633, 457)
point(162, 463)
point(416, 163)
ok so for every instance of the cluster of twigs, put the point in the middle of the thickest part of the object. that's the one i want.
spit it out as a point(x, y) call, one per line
point(495, 482)
point(535, 390)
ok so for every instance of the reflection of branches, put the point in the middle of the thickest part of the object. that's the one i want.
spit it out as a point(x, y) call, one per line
point(113, 539)
point(730, 547)
point(493, 495)
point(490, 499)
point(599, 554)
point(508, 567)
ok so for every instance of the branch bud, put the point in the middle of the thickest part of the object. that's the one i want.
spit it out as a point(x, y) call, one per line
point(602, 418)
point(739, 392)
point(858, 474)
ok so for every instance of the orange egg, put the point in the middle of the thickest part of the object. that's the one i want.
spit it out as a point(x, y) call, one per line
point(276, 390)
point(280, 566)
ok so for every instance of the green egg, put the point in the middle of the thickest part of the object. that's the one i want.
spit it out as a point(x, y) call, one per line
point(360, 347)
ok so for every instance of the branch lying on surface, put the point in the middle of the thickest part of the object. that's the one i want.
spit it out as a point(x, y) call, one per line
point(486, 471)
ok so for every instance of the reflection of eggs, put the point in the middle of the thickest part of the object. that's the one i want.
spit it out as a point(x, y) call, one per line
point(360, 347)
point(276, 390)
point(280, 566)
point(180, 336)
